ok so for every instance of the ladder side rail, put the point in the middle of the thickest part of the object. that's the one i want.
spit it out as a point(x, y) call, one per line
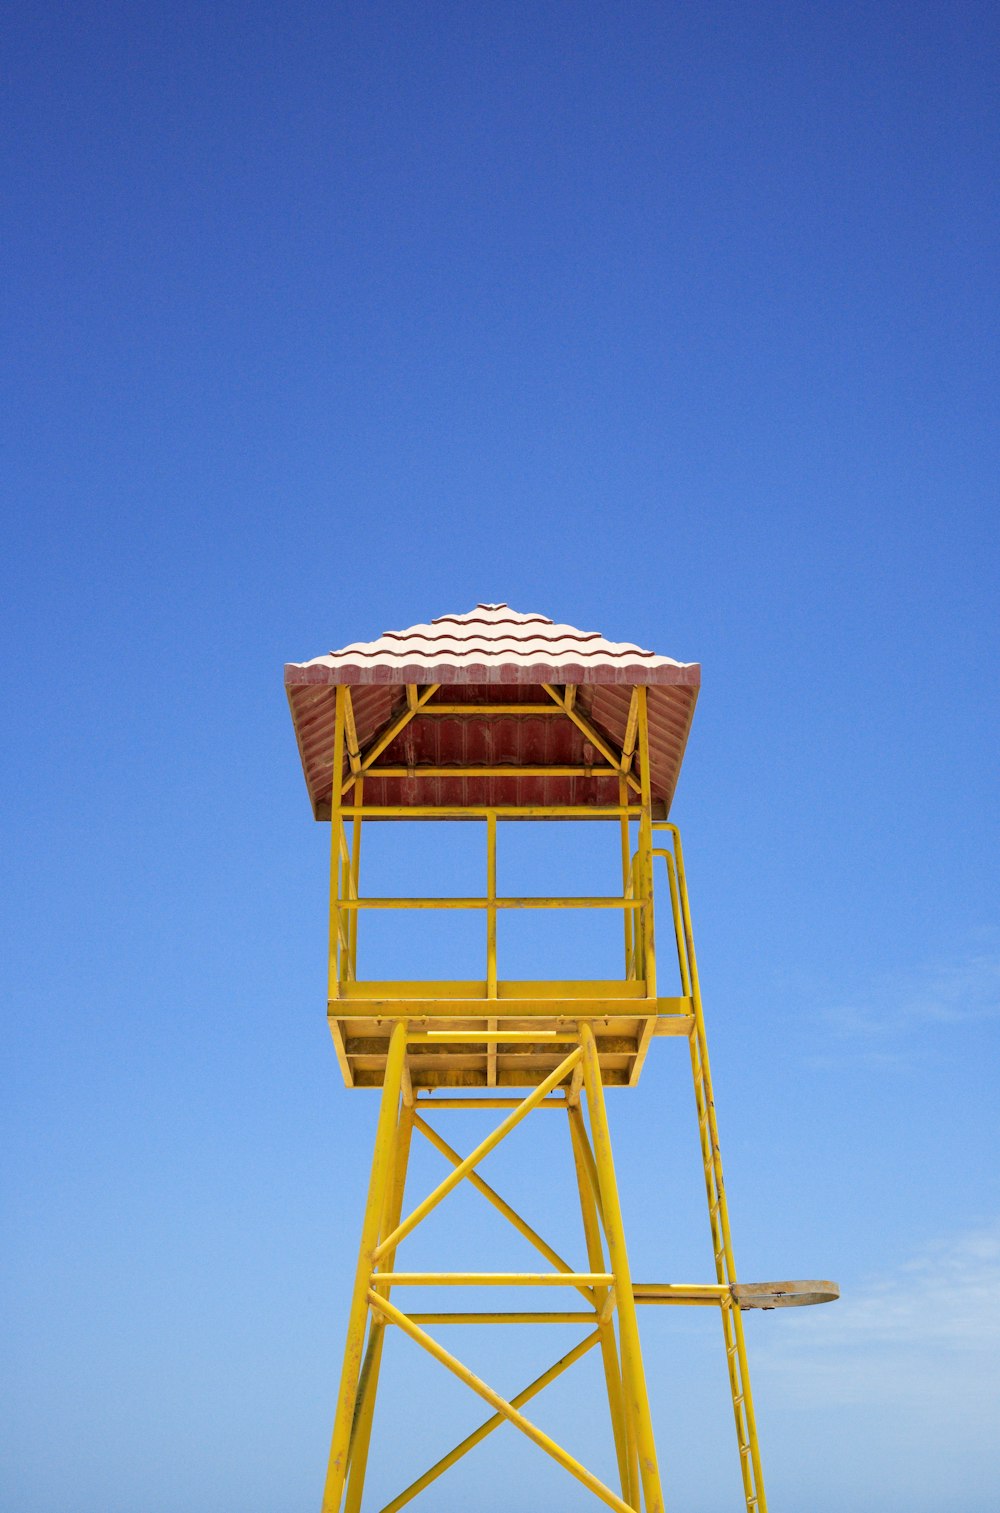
point(732, 1322)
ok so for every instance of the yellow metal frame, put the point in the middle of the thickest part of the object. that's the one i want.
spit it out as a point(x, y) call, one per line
point(555, 1040)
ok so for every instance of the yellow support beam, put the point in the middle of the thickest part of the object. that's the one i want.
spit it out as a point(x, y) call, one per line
point(593, 736)
point(502, 1406)
point(478, 1435)
point(500, 1204)
point(627, 1474)
point(633, 1377)
point(382, 1165)
point(587, 901)
point(460, 770)
point(502, 811)
point(377, 747)
point(438, 708)
point(483, 1149)
point(388, 1279)
point(365, 1409)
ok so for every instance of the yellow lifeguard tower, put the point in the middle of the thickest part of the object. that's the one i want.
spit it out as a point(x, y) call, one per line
point(497, 716)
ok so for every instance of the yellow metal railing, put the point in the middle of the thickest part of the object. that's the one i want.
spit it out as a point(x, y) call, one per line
point(635, 901)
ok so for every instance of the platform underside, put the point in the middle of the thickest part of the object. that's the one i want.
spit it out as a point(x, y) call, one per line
point(541, 1019)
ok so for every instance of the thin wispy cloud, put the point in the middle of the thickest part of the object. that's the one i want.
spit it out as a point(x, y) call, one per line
point(925, 1332)
point(880, 1022)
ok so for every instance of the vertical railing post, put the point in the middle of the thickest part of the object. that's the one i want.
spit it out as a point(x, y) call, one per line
point(646, 849)
point(336, 837)
point(491, 941)
point(491, 905)
point(626, 868)
point(352, 923)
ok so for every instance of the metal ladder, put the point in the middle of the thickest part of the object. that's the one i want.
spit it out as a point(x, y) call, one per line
point(708, 1135)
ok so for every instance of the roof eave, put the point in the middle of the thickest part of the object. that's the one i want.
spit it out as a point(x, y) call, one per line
point(321, 673)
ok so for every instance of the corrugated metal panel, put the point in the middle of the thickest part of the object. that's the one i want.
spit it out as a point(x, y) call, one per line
point(491, 644)
point(472, 654)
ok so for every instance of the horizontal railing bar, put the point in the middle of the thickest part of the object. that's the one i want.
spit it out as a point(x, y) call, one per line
point(510, 770)
point(536, 1316)
point(681, 1292)
point(508, 1037)
point(453, 709)
point(645, 1293)
point(483, 811)
point(492, 903)
point(426, 1101)
point(491, 1279)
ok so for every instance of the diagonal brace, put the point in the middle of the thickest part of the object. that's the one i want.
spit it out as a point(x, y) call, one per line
point(478, 1435)
point(593, 736)
point(500, 1204)
point(587, 1157)
point(502, 1406)
point(388, 736)
point(534, 1098)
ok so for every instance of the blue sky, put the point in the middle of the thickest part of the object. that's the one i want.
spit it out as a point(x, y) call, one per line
point(675, 322)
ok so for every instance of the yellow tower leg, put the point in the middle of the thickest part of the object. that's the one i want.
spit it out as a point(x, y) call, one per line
point(383, 1165)
point(361, 1436)
point(628, 1470)
point(633, 1378)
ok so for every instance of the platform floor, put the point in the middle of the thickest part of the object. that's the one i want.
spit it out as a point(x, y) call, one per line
point(541, 1019)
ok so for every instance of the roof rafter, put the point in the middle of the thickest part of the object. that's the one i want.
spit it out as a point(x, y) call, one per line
point(583, 724)
point(378, 746)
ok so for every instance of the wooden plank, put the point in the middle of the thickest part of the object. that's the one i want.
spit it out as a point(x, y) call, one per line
point(554, 991)
point(469, 1079)
point(373, 1045)
point(337, 1033)
point(544, 1008)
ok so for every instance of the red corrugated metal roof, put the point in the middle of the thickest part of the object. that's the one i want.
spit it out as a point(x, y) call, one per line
point(492, 644)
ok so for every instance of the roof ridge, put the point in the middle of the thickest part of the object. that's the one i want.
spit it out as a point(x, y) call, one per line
point(494, 615)
point(363, 649)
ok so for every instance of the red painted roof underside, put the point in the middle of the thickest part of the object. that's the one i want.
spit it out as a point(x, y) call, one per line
point(471, 655)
